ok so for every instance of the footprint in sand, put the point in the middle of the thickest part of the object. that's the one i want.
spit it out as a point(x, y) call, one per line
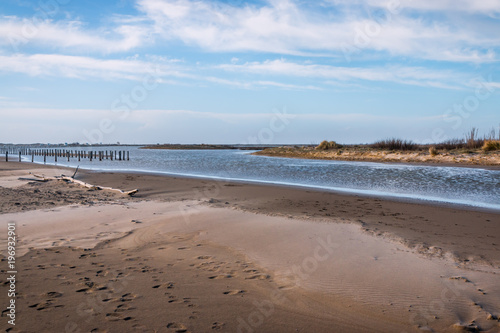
point(53, 294)
point(168, 285)
point(204, 257)
point(82, 290)
point(217, 325)
point(45, 305)
point(101, 272)
point(98, 330)
point(223, 276)
point(177, 327)
point(173, 299)
point(258, 277)
point(114, 316)
point(123, 307)
point(98, 264)
point(128, 297)
point(234, 292)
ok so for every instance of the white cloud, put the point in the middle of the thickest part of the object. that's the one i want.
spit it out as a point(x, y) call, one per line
point(165, 70)
point(484, 6)
point(159, 68)
point(282, 26)
point(86, 67)
point(398, 74)
point(17, 32)
point(287, 86)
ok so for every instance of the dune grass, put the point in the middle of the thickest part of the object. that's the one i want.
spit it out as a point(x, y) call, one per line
point(325, 145)
point(491, 145)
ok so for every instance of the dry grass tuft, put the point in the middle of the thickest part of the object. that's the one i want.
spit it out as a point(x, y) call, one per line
point(433, 151)
point(325, 145)
point(395, 144)
point(491, 145)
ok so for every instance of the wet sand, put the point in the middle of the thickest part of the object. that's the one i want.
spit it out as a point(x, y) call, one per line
point(200, 256)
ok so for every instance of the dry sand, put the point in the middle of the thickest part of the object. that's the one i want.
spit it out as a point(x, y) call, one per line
point(190, 255)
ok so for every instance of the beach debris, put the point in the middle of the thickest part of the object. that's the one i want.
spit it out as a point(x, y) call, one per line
point(33, 179)
point(74, 174)
point(36, 179)
point(95, 187)
point(79, 182)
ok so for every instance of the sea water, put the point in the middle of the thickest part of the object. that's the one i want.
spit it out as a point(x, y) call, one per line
point(455, 185)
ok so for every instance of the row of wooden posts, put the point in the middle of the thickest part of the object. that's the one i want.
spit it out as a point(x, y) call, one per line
point(117, 155)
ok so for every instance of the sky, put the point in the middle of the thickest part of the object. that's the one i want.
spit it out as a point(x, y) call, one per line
point(261, 72)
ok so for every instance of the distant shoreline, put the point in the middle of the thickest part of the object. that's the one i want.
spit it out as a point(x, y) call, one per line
point(203, 146)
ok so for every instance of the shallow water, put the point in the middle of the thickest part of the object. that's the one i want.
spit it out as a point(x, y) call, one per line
point(466, 186)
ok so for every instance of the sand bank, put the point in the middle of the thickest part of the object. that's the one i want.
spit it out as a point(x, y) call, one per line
point(457, 158)
point(195, 255)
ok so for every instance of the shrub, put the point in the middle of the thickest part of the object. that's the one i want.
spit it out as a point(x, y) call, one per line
point(451, 144)
point(472, 140)
point(491, 145)
point(325, 145)
point(433, 151)
point(395, 144)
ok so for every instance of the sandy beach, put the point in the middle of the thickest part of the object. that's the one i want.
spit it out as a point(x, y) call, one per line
point(195, 255)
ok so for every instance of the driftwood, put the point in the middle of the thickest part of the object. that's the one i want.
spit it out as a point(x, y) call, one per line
point(79, 182)
point(96, 187)
point(34, 179)
point(38, 176)
point(75, 172)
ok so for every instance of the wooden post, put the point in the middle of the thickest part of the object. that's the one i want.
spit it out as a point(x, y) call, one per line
point(19, 156)
point(55, 157)
point(44, 157)
point(7, 155)
point(120, 155)
point(32, 157)
point(68, 153)
point(128, 155)
point(111, 154)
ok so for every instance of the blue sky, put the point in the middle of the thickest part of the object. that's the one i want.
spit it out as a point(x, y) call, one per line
point(279, 71)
